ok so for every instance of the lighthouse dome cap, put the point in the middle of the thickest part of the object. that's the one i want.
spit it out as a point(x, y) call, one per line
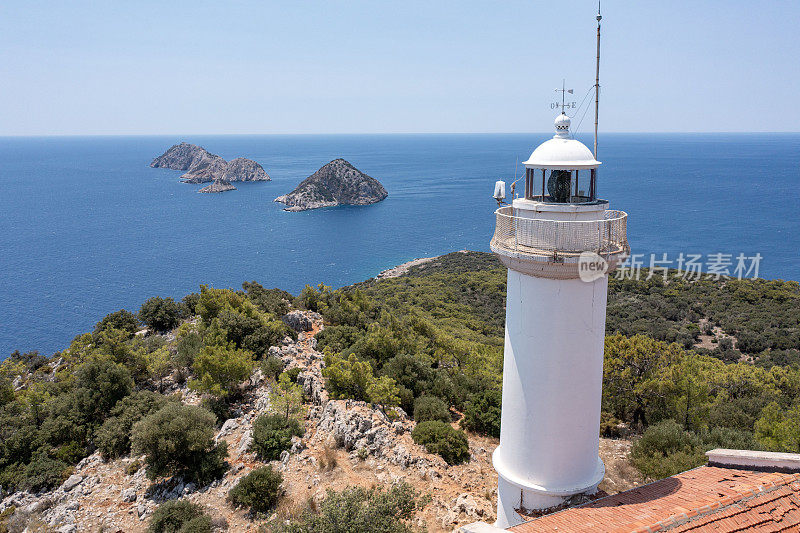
point(562, 151)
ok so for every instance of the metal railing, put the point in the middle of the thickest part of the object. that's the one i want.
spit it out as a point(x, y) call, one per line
point(560, 239)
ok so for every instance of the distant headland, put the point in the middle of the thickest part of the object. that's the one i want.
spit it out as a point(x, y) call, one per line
point(336, 183)
point(204, 167)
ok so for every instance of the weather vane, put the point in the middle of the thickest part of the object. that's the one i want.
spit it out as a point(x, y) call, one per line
point(563, 105)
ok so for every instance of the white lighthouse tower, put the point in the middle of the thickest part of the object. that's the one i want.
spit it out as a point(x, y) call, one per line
point(559, 243)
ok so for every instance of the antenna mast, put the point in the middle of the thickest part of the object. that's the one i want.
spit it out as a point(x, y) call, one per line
point(597, 80)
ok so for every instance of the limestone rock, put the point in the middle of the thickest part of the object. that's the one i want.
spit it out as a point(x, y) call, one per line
point(241, 169)
point(301, 320)
point(180, 157)
point(313, 387)
point(209, 168)
point(72, 482)
point(337, 183)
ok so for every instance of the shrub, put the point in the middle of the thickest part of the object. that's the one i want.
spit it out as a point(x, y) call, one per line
point(220, 370)
point(347, 378)
point(113, 438)
point(160, 314)
point(431, 408)
point(358, 510)
point(189, 346)
point(666, 449)
point(273, 434)
point(198, 524)
point(6, 392)
point(179, 516)
point(258, 490)
point(610, 426)
point(179, 439)
point(99, 385)
point(44, 473)
point(30, 361)
point(189, 303)
point(271, 367)
point(274, 301)
point(292, 373)
point(440, 438)
point(482, 413)
point(222, 408)
point(132, 467)
point(351, 378)
point(121, 320)
point(286, 397)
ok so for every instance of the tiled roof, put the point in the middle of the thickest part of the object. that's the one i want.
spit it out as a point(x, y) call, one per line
point(706, 499)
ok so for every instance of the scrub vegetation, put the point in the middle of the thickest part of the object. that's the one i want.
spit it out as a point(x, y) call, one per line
point(429, 342)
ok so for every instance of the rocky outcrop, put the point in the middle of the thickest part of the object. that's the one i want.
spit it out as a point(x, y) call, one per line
point(302, 321)
point(355, 426)
point(203, 166)
point(346, 443)
point(337, 183)
point(241, 169)
point(209, 168)
point(180, 157)
point(219, 185)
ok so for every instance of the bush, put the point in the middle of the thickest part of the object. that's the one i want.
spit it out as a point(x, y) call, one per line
point(273, 301)
point(431, 408)
point(6, 392)
point(220, 370)
point(292, 373)
point(99, 385)
point(179, 516)
point(258, 490)
point(273, 434)
point(666, 449)
point(358, 510)
point(351, 378)
point(610, 426)
point(189, 303)
point(271, 367)
point(188, 347)
point(44, 473)
point(179, 439)
point(347, 378)
point(160, 314)
point(442, 439)
point(113, 438)
point(121, 320)
point(31, 361)
point(482, 413)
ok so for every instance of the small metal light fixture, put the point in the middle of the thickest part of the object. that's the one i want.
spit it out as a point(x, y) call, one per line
point(500, 192)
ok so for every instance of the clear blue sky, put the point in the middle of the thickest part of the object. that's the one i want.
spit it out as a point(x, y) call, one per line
point(180, 67)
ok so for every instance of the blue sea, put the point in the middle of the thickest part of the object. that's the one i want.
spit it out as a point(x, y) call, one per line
point(86, 227)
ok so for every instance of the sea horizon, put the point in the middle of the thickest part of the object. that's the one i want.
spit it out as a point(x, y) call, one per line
point(89, 228)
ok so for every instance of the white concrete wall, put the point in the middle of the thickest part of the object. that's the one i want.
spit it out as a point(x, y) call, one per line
point(552, 379)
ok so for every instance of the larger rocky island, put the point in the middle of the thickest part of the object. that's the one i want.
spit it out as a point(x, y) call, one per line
point(337, 183)
point(204, 167)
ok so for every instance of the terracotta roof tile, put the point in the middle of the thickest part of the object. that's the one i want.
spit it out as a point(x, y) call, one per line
point(706, 499)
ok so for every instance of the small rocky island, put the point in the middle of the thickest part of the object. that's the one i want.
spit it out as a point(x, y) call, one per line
point(337, 183)
point(219, 185)
point(204, 167)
